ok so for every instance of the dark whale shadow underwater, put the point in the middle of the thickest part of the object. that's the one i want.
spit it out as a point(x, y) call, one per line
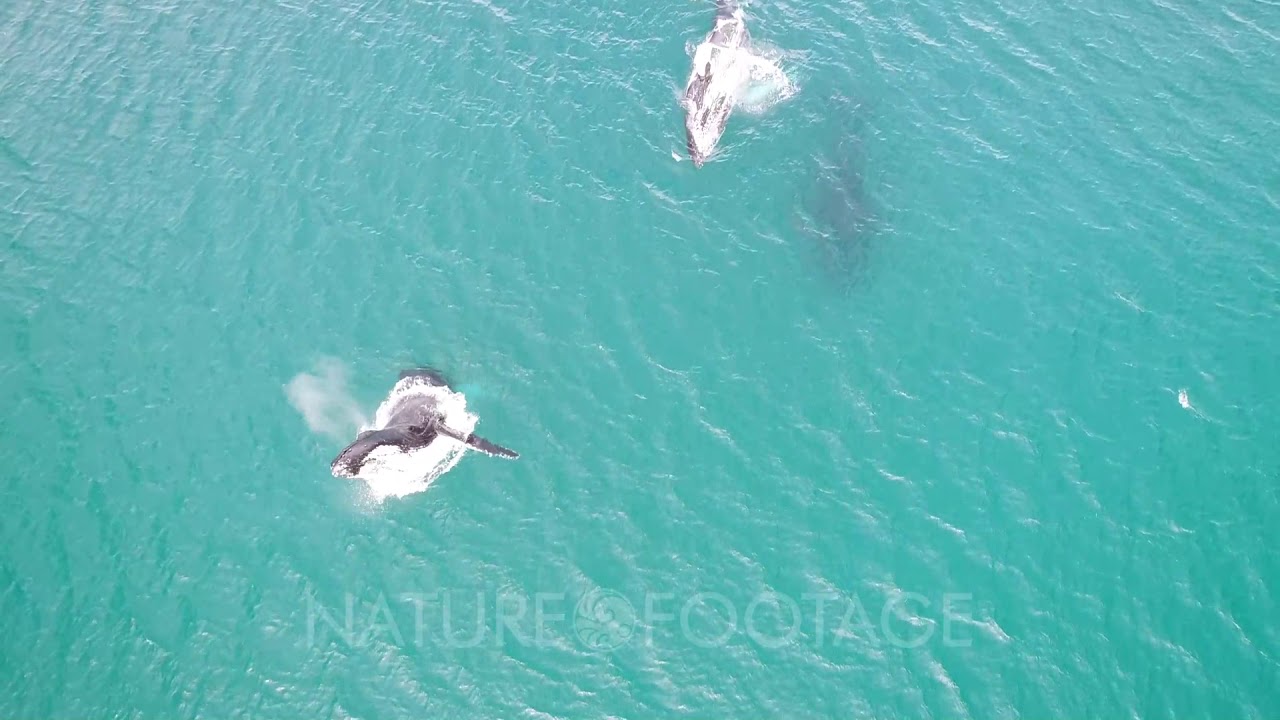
point(835, 219)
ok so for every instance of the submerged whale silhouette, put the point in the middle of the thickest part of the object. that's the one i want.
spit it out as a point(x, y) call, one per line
point(838, 214)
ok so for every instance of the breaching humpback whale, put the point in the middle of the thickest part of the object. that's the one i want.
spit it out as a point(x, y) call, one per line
point(711, 93)
point(415, 421)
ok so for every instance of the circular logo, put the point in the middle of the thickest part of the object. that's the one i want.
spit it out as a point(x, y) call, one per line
point(604, 620)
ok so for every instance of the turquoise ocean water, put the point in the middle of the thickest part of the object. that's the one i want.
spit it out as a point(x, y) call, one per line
point(949, 389)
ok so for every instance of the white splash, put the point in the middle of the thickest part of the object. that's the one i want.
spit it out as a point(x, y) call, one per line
point(761, 81)
point(752, 74)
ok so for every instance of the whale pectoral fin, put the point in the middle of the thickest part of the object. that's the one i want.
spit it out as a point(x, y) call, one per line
point(478, 443)
point(491, 448)
point(431, 375)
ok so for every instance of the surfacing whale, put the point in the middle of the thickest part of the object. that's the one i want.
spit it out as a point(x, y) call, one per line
point(414, 420)
point(718, 66)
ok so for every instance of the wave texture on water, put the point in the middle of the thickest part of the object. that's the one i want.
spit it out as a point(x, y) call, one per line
point(966, 337)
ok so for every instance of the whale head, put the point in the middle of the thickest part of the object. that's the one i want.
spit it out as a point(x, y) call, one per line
point(695, 153)
point(402, 439)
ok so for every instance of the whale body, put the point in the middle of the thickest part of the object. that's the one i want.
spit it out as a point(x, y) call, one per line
point(411, 419)
point(718, 66)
